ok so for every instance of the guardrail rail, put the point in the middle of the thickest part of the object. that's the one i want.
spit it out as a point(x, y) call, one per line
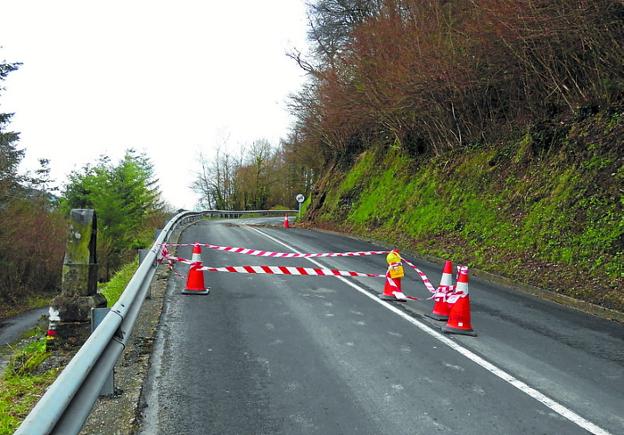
point(67, 403)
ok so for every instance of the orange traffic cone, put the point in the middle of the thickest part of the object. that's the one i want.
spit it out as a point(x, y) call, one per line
point(459, 315)
point(441, 308)
point(196, 256)
point(195, 280)
point(286, 225)
point(392, 290)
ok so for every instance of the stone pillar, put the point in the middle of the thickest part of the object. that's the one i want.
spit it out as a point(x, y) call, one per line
point(72, 307)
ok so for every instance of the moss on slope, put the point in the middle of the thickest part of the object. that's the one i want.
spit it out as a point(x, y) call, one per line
point(545, 209)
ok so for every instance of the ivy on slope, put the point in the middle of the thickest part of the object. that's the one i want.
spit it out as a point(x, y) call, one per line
point(545, 210)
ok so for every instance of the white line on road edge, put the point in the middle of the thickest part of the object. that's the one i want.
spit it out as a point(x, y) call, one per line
point(550, 403)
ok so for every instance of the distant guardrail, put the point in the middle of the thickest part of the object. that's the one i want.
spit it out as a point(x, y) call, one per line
point(65, 406)
point(238, 213)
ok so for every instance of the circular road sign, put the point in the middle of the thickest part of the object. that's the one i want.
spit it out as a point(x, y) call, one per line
point(300, 198)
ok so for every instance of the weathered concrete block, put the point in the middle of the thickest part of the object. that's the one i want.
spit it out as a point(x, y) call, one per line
point(73, 308)
point(80, 263)
point(79, 279)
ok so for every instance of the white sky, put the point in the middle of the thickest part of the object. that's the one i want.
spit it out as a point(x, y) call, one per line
point(170, 78)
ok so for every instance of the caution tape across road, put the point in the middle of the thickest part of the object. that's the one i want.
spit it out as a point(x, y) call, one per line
point(288, 270)
point(261, 253)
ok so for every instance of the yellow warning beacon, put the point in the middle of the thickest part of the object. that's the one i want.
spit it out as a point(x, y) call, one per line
point(395, 267)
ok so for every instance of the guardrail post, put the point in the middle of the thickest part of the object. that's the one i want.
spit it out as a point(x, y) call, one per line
point(97, 315)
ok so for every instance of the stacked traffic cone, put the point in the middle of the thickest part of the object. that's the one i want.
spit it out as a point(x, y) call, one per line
point(441, 308)
point(195, 280)
point(459, 315)
point(286, 225)
point(392, 287)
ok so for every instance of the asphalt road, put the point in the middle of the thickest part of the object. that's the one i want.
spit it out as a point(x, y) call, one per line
point(12, 329)
point(267, 354)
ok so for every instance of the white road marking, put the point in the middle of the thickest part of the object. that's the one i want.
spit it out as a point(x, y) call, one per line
point(525, 388)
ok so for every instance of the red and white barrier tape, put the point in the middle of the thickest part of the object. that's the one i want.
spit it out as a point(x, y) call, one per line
point(452, 298)
point(164, 255)
point(452, 295)
point(440, 292)
point(172, 258)
point(289, 270)
point(423, 277)
point(260, 253)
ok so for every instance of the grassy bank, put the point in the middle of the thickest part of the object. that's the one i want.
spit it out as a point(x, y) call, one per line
point(115, 287)
point(24, 381)
point(544, 209)
point(30, 370)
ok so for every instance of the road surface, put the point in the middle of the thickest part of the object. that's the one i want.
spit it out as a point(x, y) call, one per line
point(267, 354)
point(12, 329)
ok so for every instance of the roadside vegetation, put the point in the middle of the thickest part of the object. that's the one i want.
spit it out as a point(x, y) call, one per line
point(32, 233)
point(261, 177)
point(489, 132)
point(126, 199)
point(552, 219)
point(117, 284)
point(24, 380)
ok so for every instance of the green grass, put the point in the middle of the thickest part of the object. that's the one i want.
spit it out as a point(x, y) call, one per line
point(21, 384)
point(115, 287)
point(305, 205)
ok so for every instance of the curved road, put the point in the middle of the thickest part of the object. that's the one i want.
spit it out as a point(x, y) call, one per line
point(267, 354)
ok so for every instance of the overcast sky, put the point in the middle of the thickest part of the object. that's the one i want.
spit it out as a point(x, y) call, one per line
point(170, 78)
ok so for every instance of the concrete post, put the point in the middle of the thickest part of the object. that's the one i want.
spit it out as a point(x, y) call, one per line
point(79, 294)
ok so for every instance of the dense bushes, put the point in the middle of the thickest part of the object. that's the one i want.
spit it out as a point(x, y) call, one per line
point(435, 76)
point(32, 233)
point(32, 243)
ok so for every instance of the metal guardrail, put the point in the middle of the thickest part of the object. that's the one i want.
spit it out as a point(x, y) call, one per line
point(238, 213)
point(65, 406)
